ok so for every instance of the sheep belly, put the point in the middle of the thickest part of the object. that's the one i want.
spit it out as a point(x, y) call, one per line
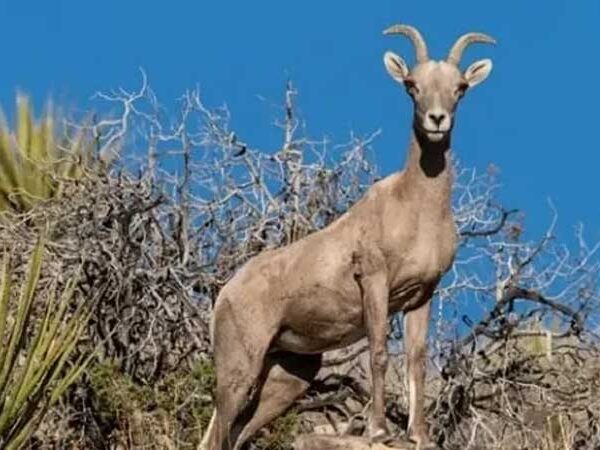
point(321, 321)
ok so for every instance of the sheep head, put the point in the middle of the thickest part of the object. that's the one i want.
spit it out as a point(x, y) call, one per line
point(436, 86)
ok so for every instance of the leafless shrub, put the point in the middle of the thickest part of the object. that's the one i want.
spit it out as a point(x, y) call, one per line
point(514, 354)
point(514, 350)
point(160, 230)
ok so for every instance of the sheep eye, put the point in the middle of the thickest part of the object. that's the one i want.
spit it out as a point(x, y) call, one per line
point(460, 90)
point(411, 86)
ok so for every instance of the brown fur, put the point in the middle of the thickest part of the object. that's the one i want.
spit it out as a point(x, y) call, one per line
point(285, 307)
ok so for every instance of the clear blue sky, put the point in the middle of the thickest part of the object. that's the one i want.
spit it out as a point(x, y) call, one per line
point(536, 117)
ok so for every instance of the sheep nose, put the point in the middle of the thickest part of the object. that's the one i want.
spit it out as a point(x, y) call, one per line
point(437, 118)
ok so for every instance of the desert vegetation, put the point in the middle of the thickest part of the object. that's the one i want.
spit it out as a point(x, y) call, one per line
point(120, 228)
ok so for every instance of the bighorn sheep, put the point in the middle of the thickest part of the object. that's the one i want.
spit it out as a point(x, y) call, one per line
point(285, 307)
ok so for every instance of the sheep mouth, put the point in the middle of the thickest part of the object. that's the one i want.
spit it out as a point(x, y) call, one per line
point(432, 135)
point(435, 135)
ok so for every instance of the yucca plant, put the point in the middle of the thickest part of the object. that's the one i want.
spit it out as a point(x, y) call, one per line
point(37, 156)
point(35, 351)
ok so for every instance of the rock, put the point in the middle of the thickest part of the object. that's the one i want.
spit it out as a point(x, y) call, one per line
point(323, 429)
point(331, 442)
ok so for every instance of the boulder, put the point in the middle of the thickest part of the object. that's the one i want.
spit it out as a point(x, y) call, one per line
point(332, 442)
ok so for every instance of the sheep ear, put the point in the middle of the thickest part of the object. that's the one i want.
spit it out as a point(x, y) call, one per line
point(478, 71)
point(396, 66)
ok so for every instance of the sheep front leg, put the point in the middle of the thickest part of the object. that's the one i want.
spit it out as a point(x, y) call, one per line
point(416, 324)
point(375, 306)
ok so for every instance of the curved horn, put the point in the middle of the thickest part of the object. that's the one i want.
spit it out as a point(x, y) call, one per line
point(413, 34)
point(463, 42)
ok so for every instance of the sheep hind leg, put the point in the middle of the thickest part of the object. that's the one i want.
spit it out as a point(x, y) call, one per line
point(286, 377)
point(231, 398)
point(207, 438)
point(239, 363)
